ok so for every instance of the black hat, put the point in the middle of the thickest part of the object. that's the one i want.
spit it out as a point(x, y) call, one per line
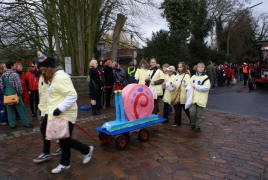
point(44, 61)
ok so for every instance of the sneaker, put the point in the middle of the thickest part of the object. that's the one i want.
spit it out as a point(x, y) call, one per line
point(174, 124)
point(59, 168)
point(3, 124)
point(42, 157)
point(89, 155)
point(57, 152)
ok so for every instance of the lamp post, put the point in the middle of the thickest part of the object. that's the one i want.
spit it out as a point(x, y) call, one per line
point(100, 48)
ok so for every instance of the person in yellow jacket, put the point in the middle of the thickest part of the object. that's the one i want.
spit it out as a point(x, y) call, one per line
point(155, 78)
point(201, 85)
point(43, 107)
point(182, 79)
point(170, 87)
point(142, 71)
point(164, 69)
point(61, 103)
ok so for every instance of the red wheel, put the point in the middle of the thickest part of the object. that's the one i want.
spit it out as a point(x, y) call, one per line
point(144, 135)
point(104, 137)
point(121, 142)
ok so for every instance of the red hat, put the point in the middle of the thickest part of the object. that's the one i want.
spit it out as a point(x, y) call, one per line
point(101, 59)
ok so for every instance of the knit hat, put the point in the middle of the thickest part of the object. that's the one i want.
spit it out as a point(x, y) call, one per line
point(171, 69)
point(44, 61)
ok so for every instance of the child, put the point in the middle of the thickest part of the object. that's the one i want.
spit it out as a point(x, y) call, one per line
point(201, 84)
point(155, 79)
point(170, 85)
point(182, 79)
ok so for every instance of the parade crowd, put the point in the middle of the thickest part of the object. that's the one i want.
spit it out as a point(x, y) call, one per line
point(50, 91)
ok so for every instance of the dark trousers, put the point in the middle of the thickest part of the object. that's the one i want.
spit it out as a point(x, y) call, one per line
point(46, 143)
point(229, 79)
point(156, 107)
point(109, 92)
point(34, 101)
point(99, 100)
point(178, 110)
point(245, 79)
point(165, 111)
point(68, 143)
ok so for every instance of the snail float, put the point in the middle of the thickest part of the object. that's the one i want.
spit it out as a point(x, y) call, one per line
point(134, 107)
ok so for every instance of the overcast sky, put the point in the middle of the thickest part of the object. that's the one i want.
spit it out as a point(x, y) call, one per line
point(154, 22)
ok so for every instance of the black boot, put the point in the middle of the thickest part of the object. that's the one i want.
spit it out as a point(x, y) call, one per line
point(95, 110)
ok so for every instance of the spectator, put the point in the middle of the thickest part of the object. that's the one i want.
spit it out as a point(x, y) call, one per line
point(25, 94)
point(229, 74)
point(155, 79)
point(100, 69)
point(251, 71)
point(95, 87)
point(241, 72)
point(221, 75)
point(131, 70)
point(61, 104)
point(235, 69)
point(200, 83)
point(182, 80)
point(3, 114)
point(109, 82)
point(32, 79)
point(142, 72)
point(10, 85)
point(211, 72)
point(120, 77)
point(245, 71)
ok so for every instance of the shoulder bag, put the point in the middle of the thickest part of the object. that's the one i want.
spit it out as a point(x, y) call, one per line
point(176, 98)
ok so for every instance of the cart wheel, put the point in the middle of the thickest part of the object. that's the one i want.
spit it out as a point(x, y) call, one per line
point(103, 137)
point(144, 135)
point(121, 142)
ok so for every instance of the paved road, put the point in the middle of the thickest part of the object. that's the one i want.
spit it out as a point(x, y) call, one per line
point(230, 147)
point(239, 100)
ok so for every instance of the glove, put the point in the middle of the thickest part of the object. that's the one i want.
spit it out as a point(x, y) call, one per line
point(56, 112)
point(184, 83)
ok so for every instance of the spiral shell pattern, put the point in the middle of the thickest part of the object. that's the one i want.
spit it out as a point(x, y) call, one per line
point(138, 101)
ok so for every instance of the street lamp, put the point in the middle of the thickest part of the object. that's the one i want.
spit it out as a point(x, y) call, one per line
point(100, 48)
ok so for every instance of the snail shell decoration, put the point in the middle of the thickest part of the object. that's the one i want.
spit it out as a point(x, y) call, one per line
point(138, 101)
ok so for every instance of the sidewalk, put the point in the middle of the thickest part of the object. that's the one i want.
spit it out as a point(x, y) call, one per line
point(229, 147)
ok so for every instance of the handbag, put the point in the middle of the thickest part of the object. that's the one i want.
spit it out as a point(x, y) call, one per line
point(176, 98)
point(11, 100)
point(57, 128)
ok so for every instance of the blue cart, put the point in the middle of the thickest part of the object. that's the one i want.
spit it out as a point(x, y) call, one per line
point(118, 131)
point(121, 137)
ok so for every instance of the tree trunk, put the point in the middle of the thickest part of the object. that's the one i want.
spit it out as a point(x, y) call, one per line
point(80, 40)
point(120, 22)
point(92, 16)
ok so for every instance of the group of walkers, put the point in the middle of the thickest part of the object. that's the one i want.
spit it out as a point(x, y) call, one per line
point(51, 91)
point(229, 73)
point(25, 86)
point(168, 84)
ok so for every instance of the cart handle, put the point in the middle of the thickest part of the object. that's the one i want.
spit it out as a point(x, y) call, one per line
point(92, 137)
